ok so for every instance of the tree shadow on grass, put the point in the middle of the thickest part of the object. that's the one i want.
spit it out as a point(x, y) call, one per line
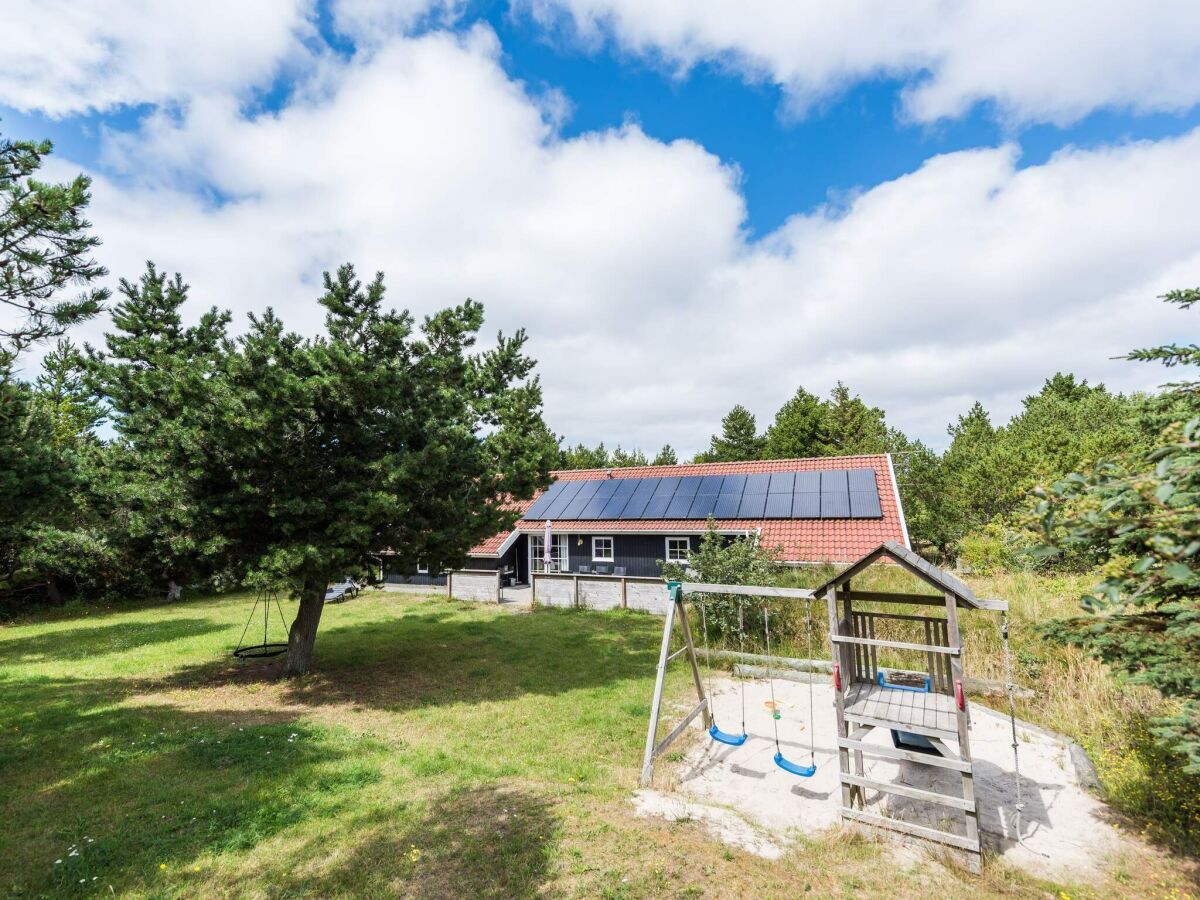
point(485, 842)
point(97, 640)
point(94, 788)
point(425, 659)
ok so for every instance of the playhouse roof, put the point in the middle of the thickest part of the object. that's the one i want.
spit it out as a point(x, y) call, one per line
point(918, 566)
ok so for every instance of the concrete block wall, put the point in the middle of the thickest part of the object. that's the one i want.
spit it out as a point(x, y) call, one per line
point(483, 586)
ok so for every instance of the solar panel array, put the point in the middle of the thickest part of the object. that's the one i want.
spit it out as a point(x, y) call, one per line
point(836, 494)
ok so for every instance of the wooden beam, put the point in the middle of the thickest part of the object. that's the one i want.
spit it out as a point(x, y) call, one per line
point(930, 834)
point(899, 726)
point(927, 759)
point(702, 706)
point(748, 590)
point(780, 662)
point(903, 790)
point(895, 645)
point(889, 597)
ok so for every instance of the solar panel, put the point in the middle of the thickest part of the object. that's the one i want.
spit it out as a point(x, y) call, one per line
point(834, 481)
point(835, 506)
point(594, 508)
point(679, 506)
point(865, 505)
point(727, 506)
point(781, 482)
point(834, 494)
point(614, 507)
point(733, 484)
point(757, 484)
point(626, 487)
point(543, 502)
point(861, 479)
point(806, 505)
point(752, 506)
point(703, 506)
point(565, 496)
point(779, 506)
point(635, 507)
point(607, 488)
point(574, 509)
point(645, 487)
point(657, 507)
point(807, 483)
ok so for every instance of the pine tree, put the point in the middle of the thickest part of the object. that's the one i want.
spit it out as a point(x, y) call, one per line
point(293, 460)
point(622, 459)
point(1139, 513)
point(45, 246)
point(799, 429)
point(666, 457)
point(582, 456)
point(739, 439)
point(851, 427)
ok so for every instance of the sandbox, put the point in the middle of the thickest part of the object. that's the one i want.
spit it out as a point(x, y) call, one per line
point(746, 800)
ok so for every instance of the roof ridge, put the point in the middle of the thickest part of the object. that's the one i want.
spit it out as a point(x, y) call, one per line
point(745, 462)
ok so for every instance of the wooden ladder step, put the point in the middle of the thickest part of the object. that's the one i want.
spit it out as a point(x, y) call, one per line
point(913, 793)
point(886, 752)
point(930, 834)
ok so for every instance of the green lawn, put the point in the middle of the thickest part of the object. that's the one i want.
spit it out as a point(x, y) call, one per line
point(438, 749)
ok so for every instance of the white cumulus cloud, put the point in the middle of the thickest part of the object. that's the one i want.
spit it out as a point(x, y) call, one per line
point(1036, 61)
point(70, 56)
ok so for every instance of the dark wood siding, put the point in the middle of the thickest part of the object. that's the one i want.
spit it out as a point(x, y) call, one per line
point(638, 553)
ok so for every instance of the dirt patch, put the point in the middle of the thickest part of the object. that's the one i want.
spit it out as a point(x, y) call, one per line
point(1065, 830)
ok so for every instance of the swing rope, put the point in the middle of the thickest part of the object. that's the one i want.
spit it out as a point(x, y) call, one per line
point(780, 760)
point(770, 678)
point(734, 740)
point(1019, 806)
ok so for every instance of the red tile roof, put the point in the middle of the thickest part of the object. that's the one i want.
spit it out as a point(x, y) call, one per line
point(798, 540)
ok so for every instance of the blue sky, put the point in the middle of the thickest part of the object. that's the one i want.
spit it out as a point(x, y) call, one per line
point(927, 218)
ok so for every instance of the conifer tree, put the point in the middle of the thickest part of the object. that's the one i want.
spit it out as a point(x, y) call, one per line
point(739, 439)
point(666, 457)
point(799, 429)
point(45, 247)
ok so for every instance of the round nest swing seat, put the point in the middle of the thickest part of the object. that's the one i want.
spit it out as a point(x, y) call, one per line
point(260, 651)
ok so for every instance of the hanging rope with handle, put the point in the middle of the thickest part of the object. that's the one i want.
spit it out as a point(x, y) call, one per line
point(1019, 806)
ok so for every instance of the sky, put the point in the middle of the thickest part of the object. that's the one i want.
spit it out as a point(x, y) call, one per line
point(686, 205)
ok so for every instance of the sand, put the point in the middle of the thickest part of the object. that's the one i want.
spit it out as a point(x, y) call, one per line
point(747, 801)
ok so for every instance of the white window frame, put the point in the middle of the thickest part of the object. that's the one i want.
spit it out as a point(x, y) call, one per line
point(422, 568)
point(678, 537)
point(563, 556)
point(612, 549)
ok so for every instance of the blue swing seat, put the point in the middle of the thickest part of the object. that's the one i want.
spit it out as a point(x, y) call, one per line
point(788, 766)
point(733, 740)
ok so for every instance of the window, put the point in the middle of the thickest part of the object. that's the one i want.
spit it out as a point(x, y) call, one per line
point(679, 549)
point(558, 553)
point(422, 568)
point(602, 549)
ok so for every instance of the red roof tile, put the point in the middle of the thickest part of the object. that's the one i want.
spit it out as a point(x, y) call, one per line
point(798, 540)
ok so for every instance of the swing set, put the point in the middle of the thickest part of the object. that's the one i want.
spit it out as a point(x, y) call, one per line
point(926, 712)
point(677, 613)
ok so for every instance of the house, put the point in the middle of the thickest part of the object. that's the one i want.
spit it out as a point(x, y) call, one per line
point(625, 521)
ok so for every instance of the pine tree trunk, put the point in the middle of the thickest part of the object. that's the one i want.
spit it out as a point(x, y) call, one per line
point(303, 633)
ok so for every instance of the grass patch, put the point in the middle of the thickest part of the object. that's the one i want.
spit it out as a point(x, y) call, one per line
point(438, 749)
